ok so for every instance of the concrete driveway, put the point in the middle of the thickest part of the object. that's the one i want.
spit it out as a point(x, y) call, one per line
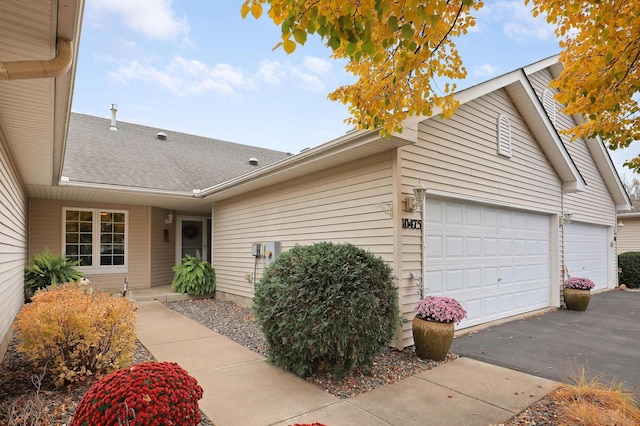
point(605, 339)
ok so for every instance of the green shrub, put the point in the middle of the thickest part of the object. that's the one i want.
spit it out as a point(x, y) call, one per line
point(149, 394)
point(630, 264)
point(194, 276)
point(327, 305)
point(76, 333)
point(46, 269)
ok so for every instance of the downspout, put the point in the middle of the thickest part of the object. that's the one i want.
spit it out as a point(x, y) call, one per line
point(26, 70)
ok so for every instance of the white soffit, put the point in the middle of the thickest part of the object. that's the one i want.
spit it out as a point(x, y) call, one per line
point(27, 31)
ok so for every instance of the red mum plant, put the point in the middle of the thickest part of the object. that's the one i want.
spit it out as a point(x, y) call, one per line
point(149, 394)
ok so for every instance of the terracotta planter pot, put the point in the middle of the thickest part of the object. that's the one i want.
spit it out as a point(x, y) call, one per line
point(576, 300)
point(432, 339)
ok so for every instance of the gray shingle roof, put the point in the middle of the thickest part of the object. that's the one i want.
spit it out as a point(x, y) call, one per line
point(134, 156)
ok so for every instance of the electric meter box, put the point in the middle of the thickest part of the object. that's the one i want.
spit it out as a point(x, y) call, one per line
point(271, 250)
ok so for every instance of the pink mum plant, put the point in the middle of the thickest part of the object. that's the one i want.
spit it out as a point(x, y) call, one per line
point(440, 309)
point(579, 283)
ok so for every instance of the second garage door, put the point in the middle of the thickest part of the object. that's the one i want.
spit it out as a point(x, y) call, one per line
point(586, 252)
point(494, 261)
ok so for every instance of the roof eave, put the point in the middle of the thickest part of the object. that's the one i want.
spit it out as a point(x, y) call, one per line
point(607, 170)
point(350, 147)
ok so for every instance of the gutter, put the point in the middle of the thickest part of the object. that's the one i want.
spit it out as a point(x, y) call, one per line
point(64, 181)
point(27, 70)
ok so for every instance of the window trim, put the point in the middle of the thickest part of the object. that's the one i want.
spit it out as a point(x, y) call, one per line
point(504, 147)
point(95, 232)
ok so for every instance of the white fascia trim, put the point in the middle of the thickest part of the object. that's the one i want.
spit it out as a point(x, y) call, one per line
point(122, 188)
point(577, 182)
point(467, 95)
point(628, 215)
point(541, 64)
point(607, 169)
point(344, 143)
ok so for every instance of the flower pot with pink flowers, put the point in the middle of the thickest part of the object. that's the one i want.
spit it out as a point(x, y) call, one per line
point(577, 293)
point(433, 326)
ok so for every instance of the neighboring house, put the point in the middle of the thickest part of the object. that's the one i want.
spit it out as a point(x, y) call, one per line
point(493, 231)
point(38, 53)
point(629, 234)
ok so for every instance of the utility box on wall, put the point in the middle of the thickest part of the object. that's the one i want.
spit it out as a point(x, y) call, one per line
point(271, 250)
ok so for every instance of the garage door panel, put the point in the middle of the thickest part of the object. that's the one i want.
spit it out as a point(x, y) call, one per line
point(494, 261)
point(474, 278)
point(454, 247)
point(433, 248)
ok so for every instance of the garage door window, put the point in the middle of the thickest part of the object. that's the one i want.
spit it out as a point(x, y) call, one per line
point(97, 238)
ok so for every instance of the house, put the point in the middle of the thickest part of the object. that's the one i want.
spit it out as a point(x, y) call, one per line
point(38, 56)
point(511, 207)
point(629, 235)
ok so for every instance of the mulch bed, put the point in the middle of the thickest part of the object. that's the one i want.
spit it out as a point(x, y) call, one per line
point(237, 323)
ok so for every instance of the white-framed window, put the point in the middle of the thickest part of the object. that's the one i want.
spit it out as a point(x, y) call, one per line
point(504, 136)
point(549, 105)
point(97, 238)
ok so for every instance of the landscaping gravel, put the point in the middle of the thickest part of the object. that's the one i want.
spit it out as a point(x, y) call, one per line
point(238, 324)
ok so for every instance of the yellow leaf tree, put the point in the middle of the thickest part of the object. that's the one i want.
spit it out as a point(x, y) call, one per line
point(600, 44)
point(397, 48)
point(394, 48)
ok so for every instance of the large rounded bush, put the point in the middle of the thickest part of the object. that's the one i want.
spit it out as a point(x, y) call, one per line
point(629, 263)
point(150, 394)
point(327, 305)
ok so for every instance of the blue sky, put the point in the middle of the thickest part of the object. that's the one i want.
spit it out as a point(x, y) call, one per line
point(197, 67)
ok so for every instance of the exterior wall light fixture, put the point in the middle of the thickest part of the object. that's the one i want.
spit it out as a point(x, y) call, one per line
point(413, 203)
point(169, 219)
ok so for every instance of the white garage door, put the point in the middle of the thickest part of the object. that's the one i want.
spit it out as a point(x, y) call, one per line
point(586, 252)
point(494, 261)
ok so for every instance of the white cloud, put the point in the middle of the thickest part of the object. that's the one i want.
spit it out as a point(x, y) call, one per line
point(186, 77)
point(318, 66)
point(516, 20)
point(310, 75)
point(271, 72)
point(153, 18)
point(485, 71)
point(183, 76)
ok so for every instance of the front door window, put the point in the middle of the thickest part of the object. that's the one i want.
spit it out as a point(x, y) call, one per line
point(192, 238)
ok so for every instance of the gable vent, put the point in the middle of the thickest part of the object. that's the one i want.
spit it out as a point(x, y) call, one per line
point(504, 136)
point(549, 105)
point(162, 136)
point(253, 161)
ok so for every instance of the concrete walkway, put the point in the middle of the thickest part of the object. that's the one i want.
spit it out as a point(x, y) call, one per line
point(242, 388)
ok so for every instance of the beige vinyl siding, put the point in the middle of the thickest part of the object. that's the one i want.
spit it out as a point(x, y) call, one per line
point(13, 245)
point(629, 236)
point(458, 158)
point(337, 205)
point(594, 205)
point(163, 253)
point(45, 224)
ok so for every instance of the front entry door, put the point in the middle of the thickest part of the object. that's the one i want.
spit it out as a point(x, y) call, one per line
point(192, 238)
